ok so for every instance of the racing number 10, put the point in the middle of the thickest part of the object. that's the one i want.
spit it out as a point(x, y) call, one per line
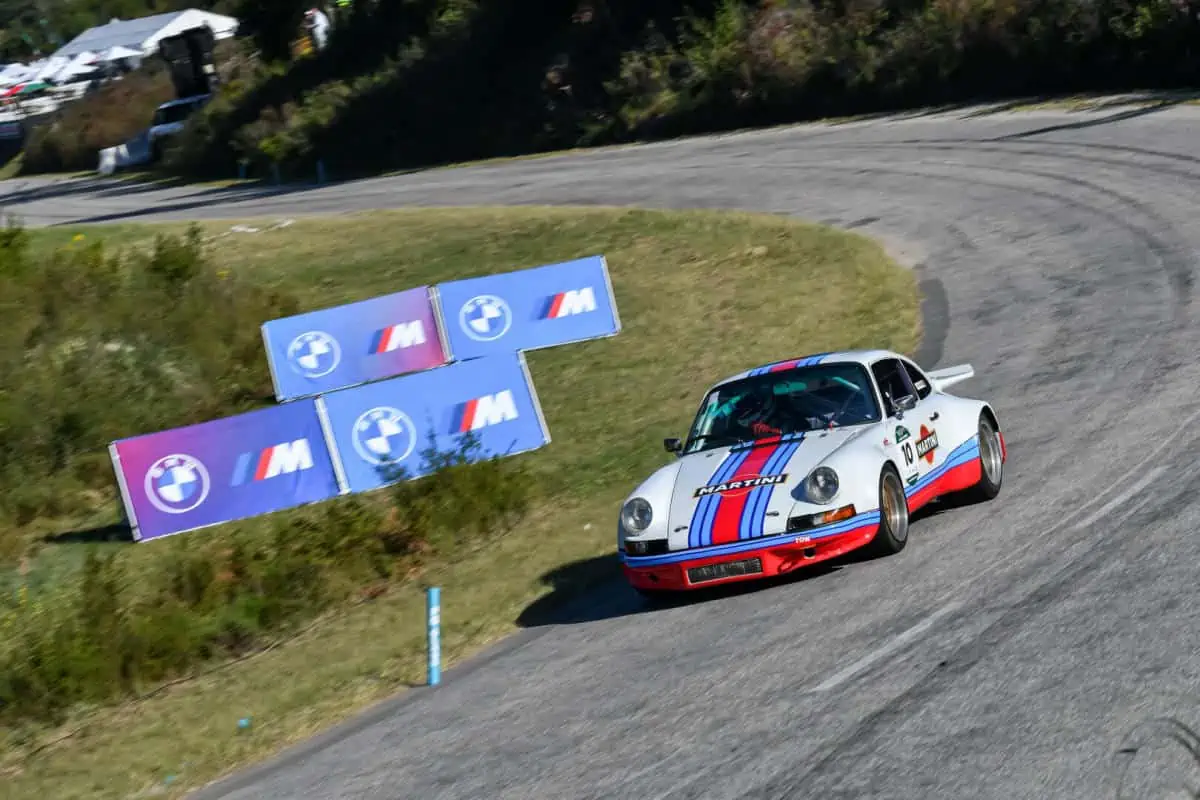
point(907, 449)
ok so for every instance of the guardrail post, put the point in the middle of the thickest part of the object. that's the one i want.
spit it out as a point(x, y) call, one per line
point(275, 173)
point(433, 629)
point(241, 170)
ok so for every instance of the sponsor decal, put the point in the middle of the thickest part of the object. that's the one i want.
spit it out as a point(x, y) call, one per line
point(177, 483)
point(912, 479)
point(270, 462)
point(901, 433)
point(491, 409)
point(927, 444)
point(314, 354)
point(741, 485)
point(384, 435)
point(485, 317)
point(396, 337)
point(570, 303)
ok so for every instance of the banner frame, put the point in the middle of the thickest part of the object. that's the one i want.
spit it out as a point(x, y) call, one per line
point(126, 500)
point(271, 365)
point(335, 455)
point(435, 300)
point(537, 401)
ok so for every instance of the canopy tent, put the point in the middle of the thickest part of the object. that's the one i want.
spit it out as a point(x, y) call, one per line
point(50, 67)
point(141, 36)
point(83, 64)
point(14, 74)
point(118, 52)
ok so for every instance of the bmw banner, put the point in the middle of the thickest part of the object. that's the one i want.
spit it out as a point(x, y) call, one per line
point(529, 309)
point(227, 469)
point(381, 427)
point(333, 348)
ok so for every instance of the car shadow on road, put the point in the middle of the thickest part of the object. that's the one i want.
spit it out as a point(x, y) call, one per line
point(594, 589)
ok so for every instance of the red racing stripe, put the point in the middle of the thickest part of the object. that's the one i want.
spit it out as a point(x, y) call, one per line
point(730, 506)
point(468, 417)
point(385, 339)
point(264, 461)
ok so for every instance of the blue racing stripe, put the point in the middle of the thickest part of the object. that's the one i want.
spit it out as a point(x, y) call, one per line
point(753, 514)
point(965, 452)
point(704, 510)
point(862, 520)
point(704, 534)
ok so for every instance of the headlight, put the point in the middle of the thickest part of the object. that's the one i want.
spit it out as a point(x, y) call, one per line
point(821, 485)
point(636, 516)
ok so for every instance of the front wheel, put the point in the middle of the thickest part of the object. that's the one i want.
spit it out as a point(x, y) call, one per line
point(893, 515)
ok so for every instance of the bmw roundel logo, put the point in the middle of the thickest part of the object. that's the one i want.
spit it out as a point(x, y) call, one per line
point(314, 354)
point(384, 435)
point(177, 483)
point(485, 318)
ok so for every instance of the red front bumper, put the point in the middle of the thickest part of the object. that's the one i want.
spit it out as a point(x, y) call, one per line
point(778, 559)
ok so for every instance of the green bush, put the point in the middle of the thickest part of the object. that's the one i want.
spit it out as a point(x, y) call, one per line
point(101, 345)
point(151, 612)
point(463, 79)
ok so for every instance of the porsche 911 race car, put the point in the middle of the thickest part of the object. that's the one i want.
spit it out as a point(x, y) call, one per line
point(797, 462)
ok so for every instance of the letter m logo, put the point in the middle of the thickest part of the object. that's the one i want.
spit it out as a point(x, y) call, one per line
point(395, 337)
point(569, 303)
point(491, 409)
point(285, 458)
point(278, 459)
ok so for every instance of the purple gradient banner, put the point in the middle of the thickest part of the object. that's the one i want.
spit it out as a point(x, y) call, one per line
point(187, 478)
point(334, 348)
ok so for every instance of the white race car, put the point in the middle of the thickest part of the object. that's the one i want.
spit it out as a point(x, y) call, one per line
point(800, 461)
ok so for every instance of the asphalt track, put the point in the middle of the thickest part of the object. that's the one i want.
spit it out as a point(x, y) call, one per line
point(1009, 649)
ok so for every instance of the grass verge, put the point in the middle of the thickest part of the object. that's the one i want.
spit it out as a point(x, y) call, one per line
point(701, 295)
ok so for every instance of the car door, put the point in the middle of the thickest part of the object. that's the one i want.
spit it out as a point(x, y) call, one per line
point(915, 430)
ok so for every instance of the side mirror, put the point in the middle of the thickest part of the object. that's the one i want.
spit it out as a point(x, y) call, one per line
point(672, 445)
point(906, 403)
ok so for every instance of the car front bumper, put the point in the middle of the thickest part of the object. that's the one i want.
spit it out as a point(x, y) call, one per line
point(778, 556)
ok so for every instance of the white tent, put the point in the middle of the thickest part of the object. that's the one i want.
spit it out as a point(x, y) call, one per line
point(83, 64)
point(52, 65)
point(118, 52)
point(142, 35)
point(13, 74)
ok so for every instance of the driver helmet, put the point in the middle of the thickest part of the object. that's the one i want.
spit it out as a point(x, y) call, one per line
point(756, 404)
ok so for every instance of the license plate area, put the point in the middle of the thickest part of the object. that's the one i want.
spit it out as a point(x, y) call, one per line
point(725, 569)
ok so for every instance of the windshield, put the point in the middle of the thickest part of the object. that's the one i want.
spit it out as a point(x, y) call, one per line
point(789, 401)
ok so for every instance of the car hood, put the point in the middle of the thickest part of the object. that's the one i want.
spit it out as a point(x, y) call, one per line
point(746, 491)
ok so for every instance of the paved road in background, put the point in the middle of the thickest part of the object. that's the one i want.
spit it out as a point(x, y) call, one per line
point(1009, 648)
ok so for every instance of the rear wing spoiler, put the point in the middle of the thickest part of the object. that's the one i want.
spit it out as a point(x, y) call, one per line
point(946, 377)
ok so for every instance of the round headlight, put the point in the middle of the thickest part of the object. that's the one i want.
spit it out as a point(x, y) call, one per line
point(821, 485)
point(636, 516)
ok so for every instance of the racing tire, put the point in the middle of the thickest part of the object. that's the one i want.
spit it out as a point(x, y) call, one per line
point(892, 535)
point(991, 460)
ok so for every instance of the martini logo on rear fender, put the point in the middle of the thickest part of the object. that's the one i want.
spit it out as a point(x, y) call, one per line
point(740, 486)
point(927, 444)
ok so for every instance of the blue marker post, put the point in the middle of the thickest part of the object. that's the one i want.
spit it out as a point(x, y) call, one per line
point(433, 617)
